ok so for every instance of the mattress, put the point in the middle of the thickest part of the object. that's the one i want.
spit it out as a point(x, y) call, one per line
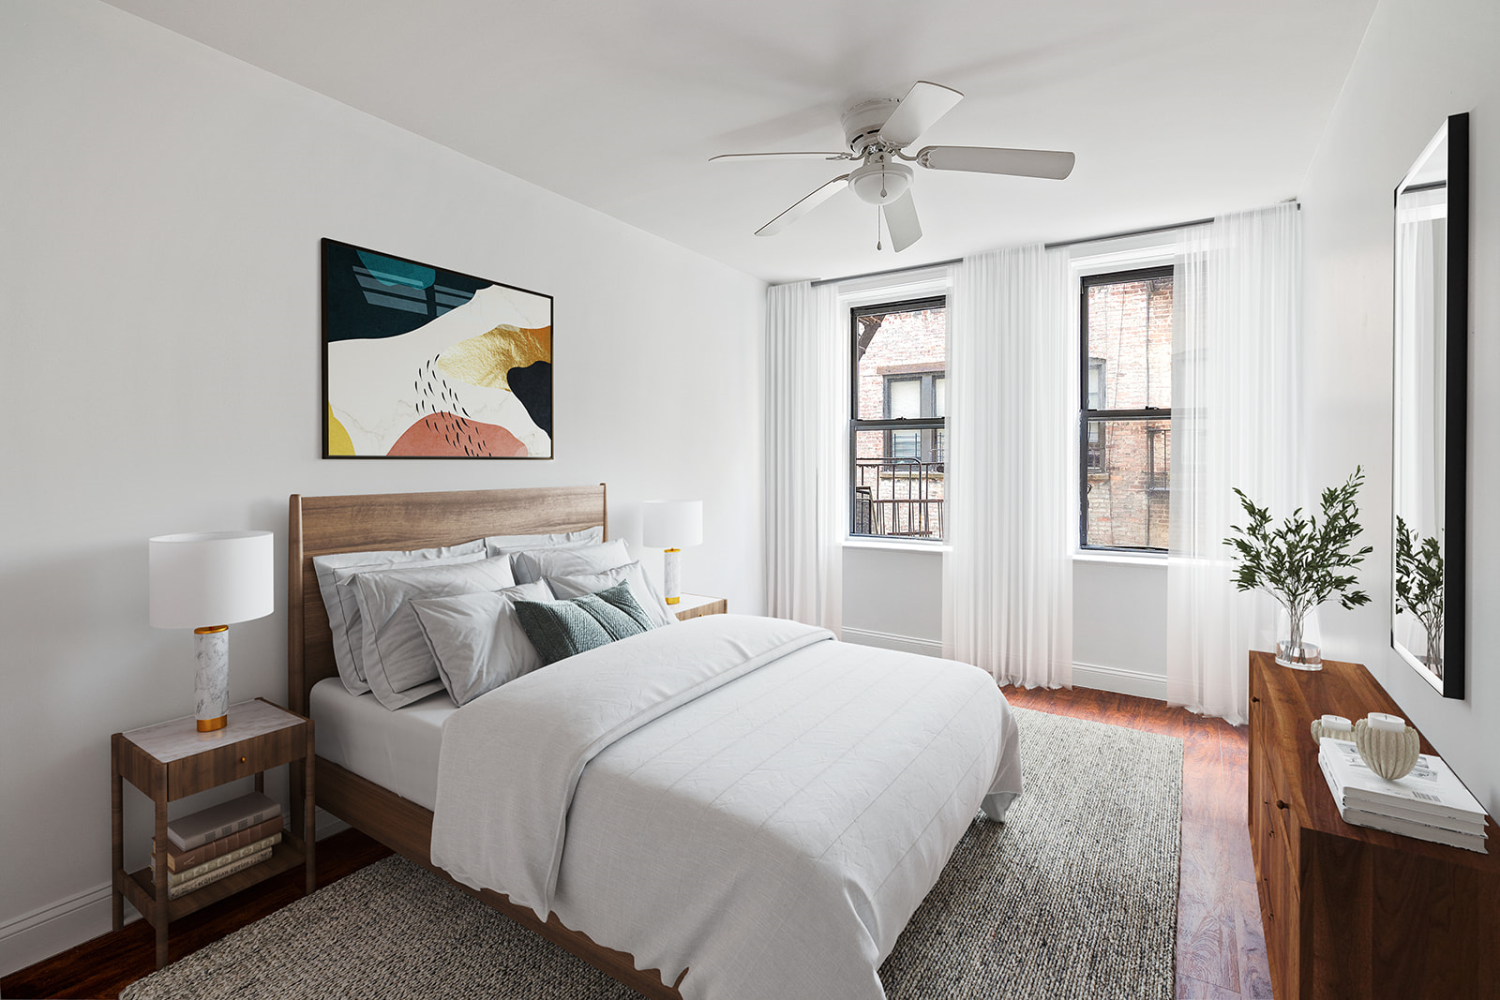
point(397, 750)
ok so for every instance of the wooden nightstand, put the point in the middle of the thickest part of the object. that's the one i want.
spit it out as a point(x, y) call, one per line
point(173, 760)
point(696, 606)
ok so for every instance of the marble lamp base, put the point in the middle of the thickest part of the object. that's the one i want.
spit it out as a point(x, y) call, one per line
point(211, 683)
point(671, 576)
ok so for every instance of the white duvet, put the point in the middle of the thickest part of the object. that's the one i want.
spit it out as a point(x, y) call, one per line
point(740, 797)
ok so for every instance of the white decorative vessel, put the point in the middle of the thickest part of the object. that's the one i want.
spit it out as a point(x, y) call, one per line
point(1387, 745)
point(1334, 727)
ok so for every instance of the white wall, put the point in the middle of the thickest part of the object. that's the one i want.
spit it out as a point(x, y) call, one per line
point(159, 269)
point(1421, 60)
point(1120, 625)
point(893, 598)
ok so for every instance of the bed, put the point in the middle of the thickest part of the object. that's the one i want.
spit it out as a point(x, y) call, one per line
point(598, 884)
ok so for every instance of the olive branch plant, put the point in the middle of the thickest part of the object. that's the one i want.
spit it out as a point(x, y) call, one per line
point(1302, 562)
point(1419, 587)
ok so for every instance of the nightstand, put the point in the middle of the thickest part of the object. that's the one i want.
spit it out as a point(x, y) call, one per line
point(172, 760)
point(696, 606)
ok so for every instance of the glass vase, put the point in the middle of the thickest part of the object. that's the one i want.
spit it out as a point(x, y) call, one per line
point(1299, 655)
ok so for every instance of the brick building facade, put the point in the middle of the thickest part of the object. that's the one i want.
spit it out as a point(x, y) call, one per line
point(901, 373)
point(1129, 368)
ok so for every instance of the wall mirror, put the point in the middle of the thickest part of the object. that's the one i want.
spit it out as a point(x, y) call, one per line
point(1430, 408)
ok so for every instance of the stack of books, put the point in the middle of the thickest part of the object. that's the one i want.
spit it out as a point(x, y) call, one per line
point(216, 842)
point(1430, 803)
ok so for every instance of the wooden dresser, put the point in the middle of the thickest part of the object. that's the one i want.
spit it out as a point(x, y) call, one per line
point(1352, 913)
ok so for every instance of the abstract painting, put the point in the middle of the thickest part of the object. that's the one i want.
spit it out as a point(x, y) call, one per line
point(419, 362)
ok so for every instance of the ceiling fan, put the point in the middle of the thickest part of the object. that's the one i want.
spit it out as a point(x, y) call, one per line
point(877, 132)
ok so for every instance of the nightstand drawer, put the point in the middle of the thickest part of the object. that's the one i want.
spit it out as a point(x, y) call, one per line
point(212, 768)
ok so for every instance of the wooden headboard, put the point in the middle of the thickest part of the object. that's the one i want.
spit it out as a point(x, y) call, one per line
point(322, 525)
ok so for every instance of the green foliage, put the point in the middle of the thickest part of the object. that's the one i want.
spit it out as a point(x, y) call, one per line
point(1419, 576)
point(1302, 562)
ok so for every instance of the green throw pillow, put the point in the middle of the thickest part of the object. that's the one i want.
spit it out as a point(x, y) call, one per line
point(559, 629)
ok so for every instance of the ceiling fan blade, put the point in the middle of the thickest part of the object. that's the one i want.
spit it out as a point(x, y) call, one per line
point(1048, 163)
point(901, 220)
point(780, 156)
point(918, 111)
point(802, 207)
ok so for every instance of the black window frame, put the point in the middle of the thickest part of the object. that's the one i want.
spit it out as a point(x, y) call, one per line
point(927, 396)
point(1087, 415)
point(888, 424)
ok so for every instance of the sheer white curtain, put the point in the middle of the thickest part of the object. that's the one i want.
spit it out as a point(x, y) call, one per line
point(1234, 424)
point(806, 460)
point(1009, 509)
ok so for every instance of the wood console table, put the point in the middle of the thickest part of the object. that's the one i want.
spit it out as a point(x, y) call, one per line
point(1351, 912)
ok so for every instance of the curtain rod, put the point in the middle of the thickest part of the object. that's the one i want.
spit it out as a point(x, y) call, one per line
point(1129, 232)
point(1048, 246)
point(893, 270)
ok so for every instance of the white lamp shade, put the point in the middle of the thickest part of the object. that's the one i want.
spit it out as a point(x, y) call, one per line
point(211, 578)
point(672, 524)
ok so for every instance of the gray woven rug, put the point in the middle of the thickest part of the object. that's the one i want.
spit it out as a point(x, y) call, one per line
point(1075, 896)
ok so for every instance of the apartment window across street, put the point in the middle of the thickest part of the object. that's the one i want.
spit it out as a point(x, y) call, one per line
point(897, 418)
point(1125, 410)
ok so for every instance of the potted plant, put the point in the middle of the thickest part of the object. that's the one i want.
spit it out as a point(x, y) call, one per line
point(1419, 588)
point(1301, 562)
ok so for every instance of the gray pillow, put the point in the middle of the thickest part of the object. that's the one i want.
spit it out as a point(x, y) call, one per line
point(644, 591)
point(572, 560)
point(504, 544)
point(342, 604)
point(477, 640)
point(559, 629)
point(398, 663)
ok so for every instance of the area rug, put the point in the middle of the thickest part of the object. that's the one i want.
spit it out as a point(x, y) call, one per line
point(1074, 896)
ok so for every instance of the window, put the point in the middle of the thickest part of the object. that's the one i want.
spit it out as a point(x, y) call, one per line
point(898, 408)
point(1125, 410)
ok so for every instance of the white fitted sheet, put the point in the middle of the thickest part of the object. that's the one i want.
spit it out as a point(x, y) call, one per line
point(397, 749)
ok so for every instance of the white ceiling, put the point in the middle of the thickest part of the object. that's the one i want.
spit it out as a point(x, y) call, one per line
point(1177, 109)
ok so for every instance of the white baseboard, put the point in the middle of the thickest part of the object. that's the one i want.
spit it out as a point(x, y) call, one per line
point(887, 640)
point(1120, 680)
point(54, 928)
point(1085, 675)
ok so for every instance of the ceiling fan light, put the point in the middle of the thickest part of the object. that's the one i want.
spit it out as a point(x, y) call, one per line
point(880, 182)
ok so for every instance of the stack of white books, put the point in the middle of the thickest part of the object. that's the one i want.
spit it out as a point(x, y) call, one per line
point(1430, 803)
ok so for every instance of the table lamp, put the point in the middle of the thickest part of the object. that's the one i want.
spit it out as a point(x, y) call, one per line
point(220, 577)
point(671, 525)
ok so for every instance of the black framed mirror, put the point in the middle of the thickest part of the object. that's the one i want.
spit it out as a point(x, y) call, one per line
point(1430, 409)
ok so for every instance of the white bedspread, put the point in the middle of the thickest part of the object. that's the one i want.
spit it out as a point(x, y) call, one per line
point(739, 796)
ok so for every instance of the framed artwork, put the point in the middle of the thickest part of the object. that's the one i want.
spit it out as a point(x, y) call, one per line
point(419, 362)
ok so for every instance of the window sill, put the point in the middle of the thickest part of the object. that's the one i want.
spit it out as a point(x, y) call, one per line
point(897, 545)
point(1123, 558)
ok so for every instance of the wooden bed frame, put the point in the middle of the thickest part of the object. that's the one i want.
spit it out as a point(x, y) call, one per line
point(323, 525)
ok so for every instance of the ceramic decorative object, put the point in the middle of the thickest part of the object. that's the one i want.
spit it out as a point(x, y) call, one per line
point(1334, 727)
point(1389, 751)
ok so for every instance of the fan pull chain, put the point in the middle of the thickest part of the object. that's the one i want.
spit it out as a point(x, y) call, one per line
point(877, 227)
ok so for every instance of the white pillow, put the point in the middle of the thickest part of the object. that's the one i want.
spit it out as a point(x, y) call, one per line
point(343, 606)
point(530, 565)
point(477, 640)
point(641, 588)
point(398, 663)
point(497, 544)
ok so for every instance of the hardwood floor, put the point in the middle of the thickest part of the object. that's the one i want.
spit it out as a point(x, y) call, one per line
point(1220, 949)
